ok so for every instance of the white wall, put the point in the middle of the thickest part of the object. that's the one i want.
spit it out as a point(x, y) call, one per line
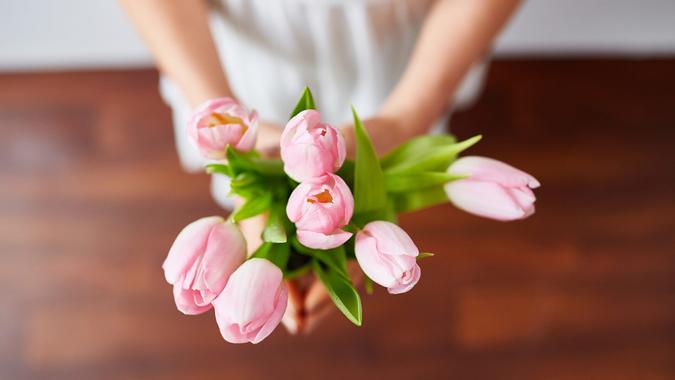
point(56, 34)
point(591, 27)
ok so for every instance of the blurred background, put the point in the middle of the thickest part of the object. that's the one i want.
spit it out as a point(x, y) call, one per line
point(580, 94)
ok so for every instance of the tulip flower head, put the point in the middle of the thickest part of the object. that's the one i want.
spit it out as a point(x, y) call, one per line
point(320, 207)
point(388, 256)
point(253, 302)
point(492, 189)
point(220, 122)
point(310, 148)
point(200, 261)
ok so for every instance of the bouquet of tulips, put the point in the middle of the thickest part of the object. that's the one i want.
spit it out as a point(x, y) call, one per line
point(323, 210)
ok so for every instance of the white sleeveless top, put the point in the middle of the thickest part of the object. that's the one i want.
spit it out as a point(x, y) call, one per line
point(347, 51)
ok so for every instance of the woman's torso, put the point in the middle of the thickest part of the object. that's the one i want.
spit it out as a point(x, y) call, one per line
point(347, 51)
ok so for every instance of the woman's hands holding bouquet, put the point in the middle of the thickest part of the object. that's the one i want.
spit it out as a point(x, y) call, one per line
point(324, 211)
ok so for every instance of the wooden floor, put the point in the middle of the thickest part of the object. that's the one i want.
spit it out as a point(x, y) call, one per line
point(91, 196)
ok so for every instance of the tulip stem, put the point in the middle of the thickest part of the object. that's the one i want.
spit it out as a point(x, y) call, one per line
point(351, 227)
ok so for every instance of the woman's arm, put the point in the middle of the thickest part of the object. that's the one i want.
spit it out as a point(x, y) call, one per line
point(178, 36)
point(455, 35)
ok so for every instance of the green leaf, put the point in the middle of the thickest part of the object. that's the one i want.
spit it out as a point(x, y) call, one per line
point(437, 159)
point(262, 251)
point(275, 232)
point(416, 200)
point(341, 291)
point(246, 181)
point(297, 264)
point(346, 172)
point(219, 168)
point(253, 206)
point(369, 191)
point(240, 162)
point(278, 254)
point(306, 102)
point(403, 183)
point(389, 214)
point(297, 272)
point(334, 258)
point(413, 148)
point(368, 285)
point(424, 255)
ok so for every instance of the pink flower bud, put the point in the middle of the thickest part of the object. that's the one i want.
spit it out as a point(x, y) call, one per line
point(320, 207)
point(253, 302)
point(200, 261)
point(492, 189)
point(310, 148)
point(220, 122)
point(388, 256)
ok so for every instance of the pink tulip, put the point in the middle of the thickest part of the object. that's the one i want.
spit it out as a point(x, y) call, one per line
point(320, 207)
point(388, 256)
point(201, 260)
point(220, 122)
point(492, 189)
point(253, 302)
point(310, 148)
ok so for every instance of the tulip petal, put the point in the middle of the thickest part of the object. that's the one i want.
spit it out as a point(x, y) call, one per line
point(248, 139)
point(525, 198)
point(371, 262)
point(297, 200)
point(215, 104)
point(342, 149)
point(491, 170)
point(485, 199)
point(217, 266)
point(248, 304)
point(189, 243)
point(211, 140)
point(184, 299)
point(392, 239)
point(405, 284)
point(303, 161)
point(318, 240)
point(310, 148)
point(278, 312)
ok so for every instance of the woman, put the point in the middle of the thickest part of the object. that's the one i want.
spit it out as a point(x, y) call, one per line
point(400, 62)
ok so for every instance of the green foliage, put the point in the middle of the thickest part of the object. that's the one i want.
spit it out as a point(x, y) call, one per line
point(416, 200)
point(306, 102)
point(370, 196)
point(330, 266)
point(410, 177)
point(437, 158)
point(278, 254)
point(346, 172)
point(341, 291)
point(424, 255)
point(414, 148)
point(334, 258)
point(368, 285)
point(275, 231)
point(219, 168)
point(404, 183)
point(250, 162)
point(254, 205)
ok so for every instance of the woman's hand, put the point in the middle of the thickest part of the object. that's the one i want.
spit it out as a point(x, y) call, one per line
point(386, 131)
point(269, 135)
point(308, 300)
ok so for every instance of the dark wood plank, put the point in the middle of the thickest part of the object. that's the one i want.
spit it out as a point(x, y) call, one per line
point(91, 195)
